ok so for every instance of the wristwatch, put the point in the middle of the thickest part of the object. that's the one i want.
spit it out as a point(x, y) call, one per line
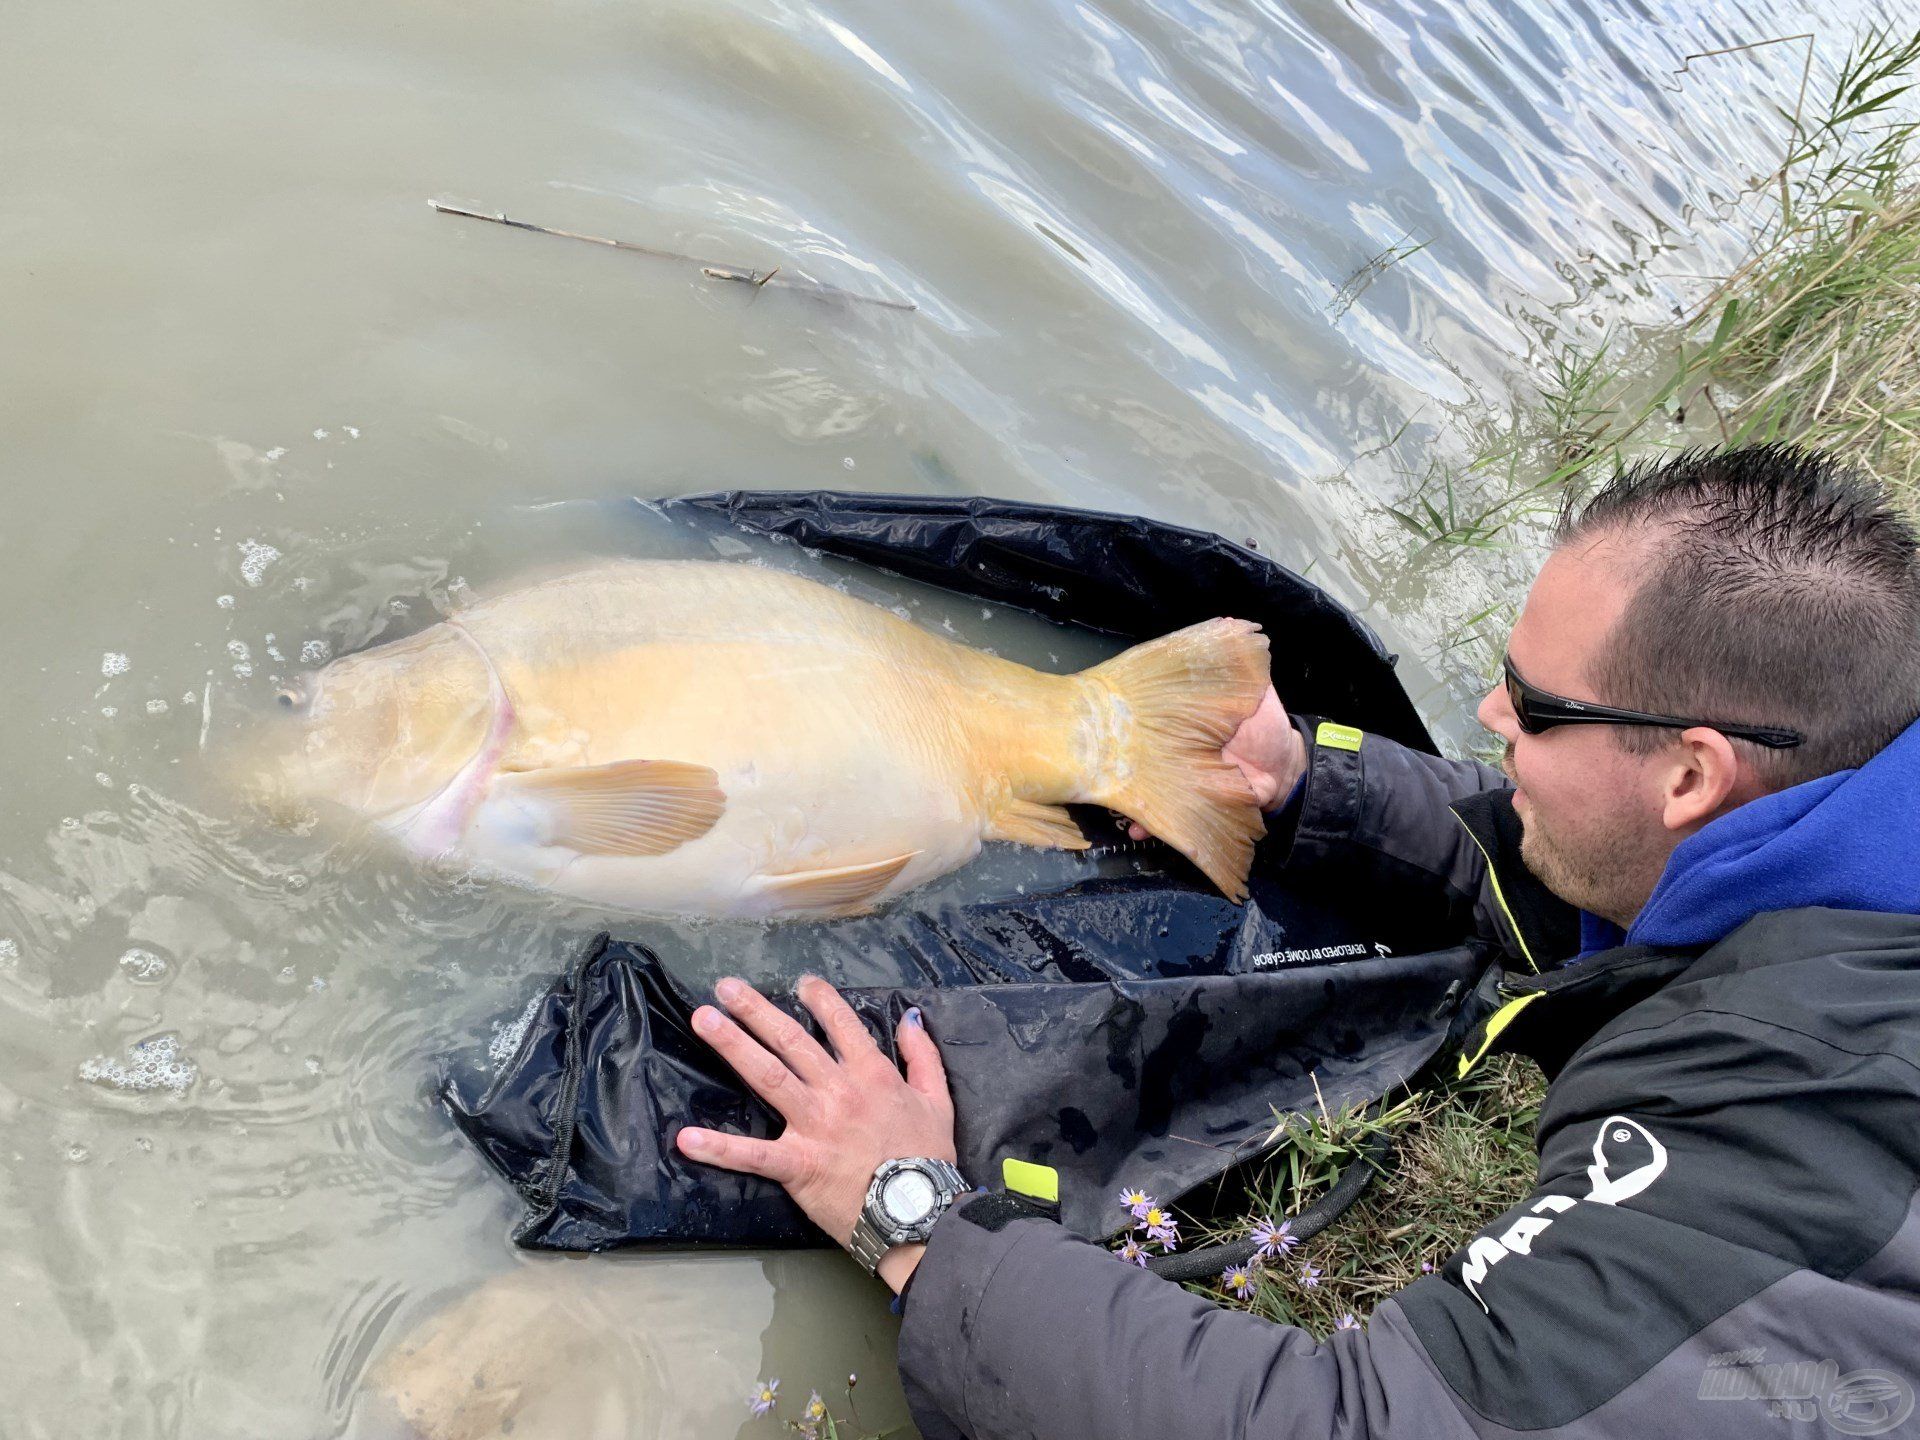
point(903, 1201)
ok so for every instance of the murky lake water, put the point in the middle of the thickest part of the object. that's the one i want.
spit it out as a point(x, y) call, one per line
point(258, 403)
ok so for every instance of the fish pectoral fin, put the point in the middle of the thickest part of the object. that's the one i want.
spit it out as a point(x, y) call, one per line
point(631, 807)
point(843, 890)
point(1027, 822)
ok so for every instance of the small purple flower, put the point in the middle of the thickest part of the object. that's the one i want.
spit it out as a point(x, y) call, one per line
point(1159, 1224)
point(1310, 1276)
point(1138, 1202)
point(1239, 1281)
point(1132, 1253)
point(763, 1396)
point(1274, 1240)
point(1426, 1267)
point(816, 1410)
point(1346, 1322)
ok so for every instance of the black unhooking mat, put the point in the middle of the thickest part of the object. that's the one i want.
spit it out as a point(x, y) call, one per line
point(1131, 1031)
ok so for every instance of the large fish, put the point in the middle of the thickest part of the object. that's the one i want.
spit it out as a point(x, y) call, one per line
point(724, 739)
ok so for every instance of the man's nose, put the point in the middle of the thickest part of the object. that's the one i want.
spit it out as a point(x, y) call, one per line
point(1496, 713)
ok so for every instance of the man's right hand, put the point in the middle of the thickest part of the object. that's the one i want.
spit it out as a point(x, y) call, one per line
point(1268, 750)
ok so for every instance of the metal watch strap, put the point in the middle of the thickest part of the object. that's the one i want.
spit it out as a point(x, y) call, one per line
point(869, 1243)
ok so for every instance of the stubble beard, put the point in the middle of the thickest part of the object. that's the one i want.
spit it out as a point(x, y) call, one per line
point(1606, 870)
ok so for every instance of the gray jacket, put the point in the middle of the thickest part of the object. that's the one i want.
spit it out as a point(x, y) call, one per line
point(1724, 1239)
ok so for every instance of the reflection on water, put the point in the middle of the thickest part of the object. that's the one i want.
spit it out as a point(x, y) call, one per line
point(259, 405)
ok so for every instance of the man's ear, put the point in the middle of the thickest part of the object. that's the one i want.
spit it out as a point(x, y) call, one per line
point(1702, 780)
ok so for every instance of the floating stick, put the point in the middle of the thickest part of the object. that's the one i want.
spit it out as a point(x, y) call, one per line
point(756, 278)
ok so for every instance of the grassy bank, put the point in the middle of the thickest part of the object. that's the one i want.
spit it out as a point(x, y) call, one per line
point(1813, 338)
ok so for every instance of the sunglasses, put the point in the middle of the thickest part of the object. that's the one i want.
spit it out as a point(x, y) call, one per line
point(1538, 711)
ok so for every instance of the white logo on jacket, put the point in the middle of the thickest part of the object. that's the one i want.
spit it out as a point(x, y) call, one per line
point(1626, 1160)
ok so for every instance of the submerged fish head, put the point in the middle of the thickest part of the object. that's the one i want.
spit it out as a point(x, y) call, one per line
point(378, 734)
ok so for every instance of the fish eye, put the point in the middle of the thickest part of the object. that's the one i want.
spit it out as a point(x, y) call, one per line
point(287, 699)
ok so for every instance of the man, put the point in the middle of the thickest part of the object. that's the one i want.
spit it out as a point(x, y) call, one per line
point(1709, 712)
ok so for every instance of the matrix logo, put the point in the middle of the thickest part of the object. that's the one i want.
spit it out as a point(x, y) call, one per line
point(1626, 1160)
point(1861, 1402)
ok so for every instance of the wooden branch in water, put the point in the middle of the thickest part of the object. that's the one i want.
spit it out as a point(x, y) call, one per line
point(713, 271)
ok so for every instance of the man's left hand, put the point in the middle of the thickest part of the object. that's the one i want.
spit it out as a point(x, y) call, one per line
point(846, 1110)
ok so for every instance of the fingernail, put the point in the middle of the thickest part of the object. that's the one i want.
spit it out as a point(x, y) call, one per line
point(912, 1017)
point(706, 1020)
point(729, 989)
point(691, 1139)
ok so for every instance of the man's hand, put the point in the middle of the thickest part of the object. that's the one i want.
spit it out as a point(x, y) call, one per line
point(1269, 752)
point(846, 1111)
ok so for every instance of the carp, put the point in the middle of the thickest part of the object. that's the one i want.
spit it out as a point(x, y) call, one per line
point(709, 738)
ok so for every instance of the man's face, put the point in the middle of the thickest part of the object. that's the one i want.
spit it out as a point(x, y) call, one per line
point(1589, 808)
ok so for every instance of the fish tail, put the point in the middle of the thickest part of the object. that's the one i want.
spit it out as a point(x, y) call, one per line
point(1174, 702)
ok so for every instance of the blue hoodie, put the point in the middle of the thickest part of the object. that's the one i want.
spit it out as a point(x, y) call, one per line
point(1846, 841)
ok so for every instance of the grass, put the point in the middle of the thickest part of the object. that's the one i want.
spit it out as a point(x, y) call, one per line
point(1813, 338)
point(1460, 1156)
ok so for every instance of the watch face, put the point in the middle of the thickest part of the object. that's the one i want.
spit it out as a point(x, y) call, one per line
point(908, 1197)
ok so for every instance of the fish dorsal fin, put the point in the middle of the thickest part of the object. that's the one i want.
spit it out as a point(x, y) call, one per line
point(1027, 822)
point(631, 807)
point(842, 890)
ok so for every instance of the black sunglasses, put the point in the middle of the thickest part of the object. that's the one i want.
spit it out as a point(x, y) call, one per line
point(1538, 711)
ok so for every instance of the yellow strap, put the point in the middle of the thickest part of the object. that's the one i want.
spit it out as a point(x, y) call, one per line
point(1337, 737)
point(1496, 1022)
point(1500, 898)
point(1037, 1182)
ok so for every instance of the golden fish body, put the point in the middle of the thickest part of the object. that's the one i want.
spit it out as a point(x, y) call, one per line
point(723, 739)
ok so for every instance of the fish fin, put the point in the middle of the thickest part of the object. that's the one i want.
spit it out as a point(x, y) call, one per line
point(631, 807)
point(843, 890)
point(1027, 822)
point(1179, 699)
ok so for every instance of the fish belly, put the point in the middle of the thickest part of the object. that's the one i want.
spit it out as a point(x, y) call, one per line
point(829, 756)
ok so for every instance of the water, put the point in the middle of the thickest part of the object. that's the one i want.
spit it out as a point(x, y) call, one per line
point(259, 404)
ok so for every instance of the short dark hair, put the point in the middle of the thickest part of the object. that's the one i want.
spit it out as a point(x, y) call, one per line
point(1777, 587)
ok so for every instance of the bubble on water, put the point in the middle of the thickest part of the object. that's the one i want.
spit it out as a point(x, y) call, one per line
point(848, 462)
point(78, 1153)
point(103, 780)
point(507, 1034)
point(255, 557)
point(353, 431)
point(9, 950)
point(238, 649)
point(156, 707)
point(273, 651)
point(142, 964)
point(153, 1064)
point(275, 453)
point(225, 602)
point(114, 663)
point(316, 651)
point(145, 1145)
point(313, 1065)
point(319, 434)
point(109, 711)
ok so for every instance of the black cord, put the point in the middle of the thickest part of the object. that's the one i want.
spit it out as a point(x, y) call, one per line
point(1206, 1263)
